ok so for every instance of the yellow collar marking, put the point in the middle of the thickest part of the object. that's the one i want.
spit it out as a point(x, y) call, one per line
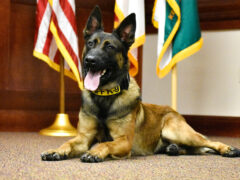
point(107, 92)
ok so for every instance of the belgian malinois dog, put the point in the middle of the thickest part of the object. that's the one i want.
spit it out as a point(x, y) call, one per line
point(113, 122)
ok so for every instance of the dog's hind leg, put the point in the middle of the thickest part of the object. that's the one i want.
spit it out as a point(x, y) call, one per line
point(76, 146)
point(174, 150)
point(176, 130)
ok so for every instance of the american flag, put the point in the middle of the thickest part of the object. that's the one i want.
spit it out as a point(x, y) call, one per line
point(55, 34)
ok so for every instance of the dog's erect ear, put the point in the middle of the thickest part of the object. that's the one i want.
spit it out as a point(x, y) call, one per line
point(126, 30)
point(94, 22)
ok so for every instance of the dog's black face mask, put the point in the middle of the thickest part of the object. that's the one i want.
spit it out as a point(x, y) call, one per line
point(105, 54)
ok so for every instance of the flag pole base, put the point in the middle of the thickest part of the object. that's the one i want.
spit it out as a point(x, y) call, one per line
point(60, 127)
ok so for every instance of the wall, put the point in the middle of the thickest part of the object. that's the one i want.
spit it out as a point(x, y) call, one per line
point(208, 81)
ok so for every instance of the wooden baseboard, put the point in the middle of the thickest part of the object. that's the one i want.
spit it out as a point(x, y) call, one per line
point(215, 125)
point(33, 121)
point(30, 120)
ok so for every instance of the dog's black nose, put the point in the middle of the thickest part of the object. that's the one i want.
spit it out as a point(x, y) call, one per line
point(90, 60)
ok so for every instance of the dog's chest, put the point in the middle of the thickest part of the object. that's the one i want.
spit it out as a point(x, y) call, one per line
point(100, 107)
point(109, 108)
point(103, 106)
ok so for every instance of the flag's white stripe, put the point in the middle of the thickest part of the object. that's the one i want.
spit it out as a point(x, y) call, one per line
point(167, 57)
point(65, 27)
point(43, 29)
point(52, 50)
point(66, 66)
point(123, 5)
point(80, 68)
point(160, 16)
point(159, 7)
point(72, 4)
point(137, 7)
point(134, 52)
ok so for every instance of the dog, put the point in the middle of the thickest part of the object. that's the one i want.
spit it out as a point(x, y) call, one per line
point(113, 122)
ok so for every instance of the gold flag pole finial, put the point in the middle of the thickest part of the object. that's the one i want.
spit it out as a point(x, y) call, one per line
point(61, 126)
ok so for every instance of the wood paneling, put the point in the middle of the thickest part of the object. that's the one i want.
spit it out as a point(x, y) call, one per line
point(219, 14)
point(4, 40)
point(18, 120)
point(213, 14)
point(215, 125)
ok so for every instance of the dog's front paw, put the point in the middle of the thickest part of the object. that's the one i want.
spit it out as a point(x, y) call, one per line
point(233, 152)
point(52, 155)
point(87, 157)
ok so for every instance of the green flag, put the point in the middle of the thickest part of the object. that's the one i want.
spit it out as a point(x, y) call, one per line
point(179, 34)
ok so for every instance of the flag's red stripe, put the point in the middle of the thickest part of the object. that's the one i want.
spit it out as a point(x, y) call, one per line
point(69, 13)
point(65, 41)
point(41, 7)
point(47, 42)
point(56, 58)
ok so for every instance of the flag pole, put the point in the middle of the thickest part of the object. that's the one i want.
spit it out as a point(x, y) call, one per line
point(174, 87)
point(61, 126)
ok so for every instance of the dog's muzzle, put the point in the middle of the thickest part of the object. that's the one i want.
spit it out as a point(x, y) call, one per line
point(91, 62)
point(94, 72)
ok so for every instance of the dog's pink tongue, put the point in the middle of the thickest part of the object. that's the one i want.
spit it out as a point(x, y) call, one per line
point(91, 81)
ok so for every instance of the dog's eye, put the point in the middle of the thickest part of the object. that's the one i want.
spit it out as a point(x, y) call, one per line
point(109, 46)
point(90, 44)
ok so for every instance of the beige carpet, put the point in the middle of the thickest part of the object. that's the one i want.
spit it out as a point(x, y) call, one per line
point(20, 159)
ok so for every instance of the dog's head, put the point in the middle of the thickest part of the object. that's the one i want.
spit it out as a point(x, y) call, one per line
point(105, 59)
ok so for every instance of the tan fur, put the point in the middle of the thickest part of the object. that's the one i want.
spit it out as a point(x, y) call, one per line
point(103, 43)
point(98, 40)
point(122, 131)
point(120, 60)
point(84, 51)
point(140, 131)
point(163, 122)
